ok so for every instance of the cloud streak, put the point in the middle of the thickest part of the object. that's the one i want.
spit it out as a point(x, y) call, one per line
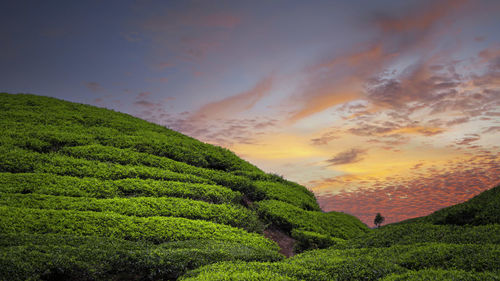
point(353, 155)
point(234, 104)
point(343, 78)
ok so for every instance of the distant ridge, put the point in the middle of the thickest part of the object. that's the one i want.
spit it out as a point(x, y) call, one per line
point(482, 209)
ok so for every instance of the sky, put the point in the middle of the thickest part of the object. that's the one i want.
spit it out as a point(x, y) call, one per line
point(376, 106)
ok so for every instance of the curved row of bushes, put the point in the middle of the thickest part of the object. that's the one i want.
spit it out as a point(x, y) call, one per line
point(296, 195)
point(49, 184)
point(413, 233)
point(131, 157)
point(437, 274)
point(234, 215)
point(415, 262)
point(52, 257)
point(17, 160)
point(46, 119)
point(289, 217)
point(155, 229)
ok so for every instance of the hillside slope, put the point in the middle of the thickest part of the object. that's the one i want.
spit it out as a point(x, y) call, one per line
point(482, 209)
point(92, 194)
point(418, 249)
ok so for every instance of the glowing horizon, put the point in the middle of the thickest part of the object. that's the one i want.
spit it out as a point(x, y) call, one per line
point(392, 107)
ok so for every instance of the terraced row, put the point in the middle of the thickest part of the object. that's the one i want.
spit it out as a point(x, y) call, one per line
point(50, 184)
point(17, 160)
point(415, 262)
point(105, 224)
point(52, 123)
point(234, 215)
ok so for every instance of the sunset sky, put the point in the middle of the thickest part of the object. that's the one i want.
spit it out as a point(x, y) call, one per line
point(375, 106)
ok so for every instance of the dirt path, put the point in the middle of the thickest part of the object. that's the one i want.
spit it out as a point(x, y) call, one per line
point(285, 242)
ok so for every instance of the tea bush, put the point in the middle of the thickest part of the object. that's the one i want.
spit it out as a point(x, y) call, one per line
point(106, 224)
point(289, 217)
point(235, 215)
point(43, 183)
point(293, 194)
point(435, 274)
point(48, 256)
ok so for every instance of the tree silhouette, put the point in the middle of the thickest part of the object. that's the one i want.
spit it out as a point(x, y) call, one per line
point(379, 219)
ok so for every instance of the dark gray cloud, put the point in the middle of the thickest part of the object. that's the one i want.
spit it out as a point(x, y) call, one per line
point(353, 155)
point(325, 138)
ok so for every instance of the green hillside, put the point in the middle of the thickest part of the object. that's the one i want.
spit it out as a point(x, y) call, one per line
point(91, 194)
point(427, 248)
point(479, 210)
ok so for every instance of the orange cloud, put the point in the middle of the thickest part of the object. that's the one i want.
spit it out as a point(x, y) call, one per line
point(417, 194)
point(234, 104)
point(326, 96)
point(343, 78)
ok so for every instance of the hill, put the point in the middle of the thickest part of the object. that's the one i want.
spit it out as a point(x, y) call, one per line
point(427, 248)
point(91, 194)
point(482, 209)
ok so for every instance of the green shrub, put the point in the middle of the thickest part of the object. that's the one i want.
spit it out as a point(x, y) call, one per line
point(481, 210)
point(41, 257)
point(105, 224)
point(436, 274)
point(421, 256)
point(234, 215)
point(289, 217)
point(238, 271)
point(311, 240)
point(131, 157)
point(293, 194)
point(43, 183)
point(42, 118)
point(412, 233)
point(297, 269)
point(22, 161)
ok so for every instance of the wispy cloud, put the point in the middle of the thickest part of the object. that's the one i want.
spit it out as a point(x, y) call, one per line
point(343, 78)
point(353, 155)
point(235, 104)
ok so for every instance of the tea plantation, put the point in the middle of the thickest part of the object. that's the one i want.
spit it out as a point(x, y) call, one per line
point(91, 194)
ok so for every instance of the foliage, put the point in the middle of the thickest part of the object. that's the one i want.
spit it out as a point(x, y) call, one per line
point(296, 269)
point(43, 183)
point(21, 161)
point(235, 215)
point(105, 224)
point(436, 274)
point(379, 219)
point(130, 157)
point(296, 195)
point(481, 210)
point(48, 257)
point(50, 123)
point(289, 217)
point(407, 234)
point(364, 264)
point(307, 240)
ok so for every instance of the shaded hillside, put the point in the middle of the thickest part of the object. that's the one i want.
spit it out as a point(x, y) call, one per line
point(92, 194)
point(414, 250)
point(482, 209)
